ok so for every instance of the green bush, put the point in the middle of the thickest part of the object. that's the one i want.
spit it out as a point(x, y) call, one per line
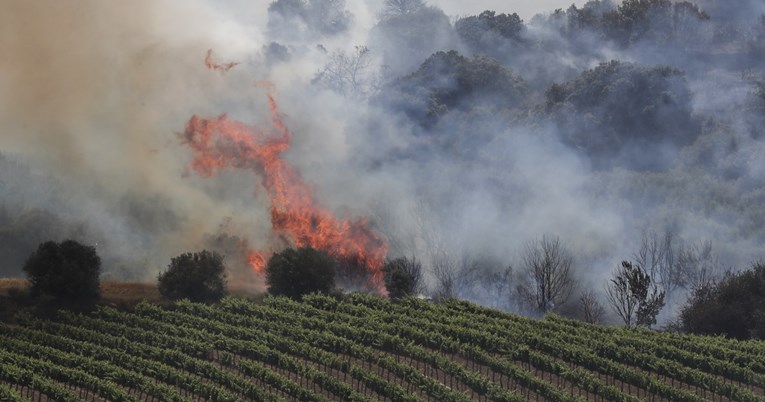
point(735, 306)
point(296, 272)
point(403, 277)
point(199, 277)
point(66, 271)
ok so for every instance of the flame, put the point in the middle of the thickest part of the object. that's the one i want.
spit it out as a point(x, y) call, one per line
point(220, 143)
point(222, 67)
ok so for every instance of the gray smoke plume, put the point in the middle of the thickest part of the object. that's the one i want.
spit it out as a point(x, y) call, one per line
point(463, 135)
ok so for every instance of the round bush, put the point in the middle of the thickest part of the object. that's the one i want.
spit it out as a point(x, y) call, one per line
point(296, 272)
point(199, 277)
point(66, 271)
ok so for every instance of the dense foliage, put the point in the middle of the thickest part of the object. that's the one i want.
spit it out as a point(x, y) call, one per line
point(448, 81)
point(403, 277)
point(635, 22)
point(622, 106)
point(199, 276)
point(66, 271)
point(735, 306)
point(407, 30)
point(297, 272)
point(490, 33)
point(320, 17)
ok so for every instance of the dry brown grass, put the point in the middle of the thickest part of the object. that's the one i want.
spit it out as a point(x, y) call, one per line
point(127, 292)
point(6, 284)
point(115, 293)
point(111, 291)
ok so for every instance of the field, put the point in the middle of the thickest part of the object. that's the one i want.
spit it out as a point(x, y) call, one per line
point(361, 348)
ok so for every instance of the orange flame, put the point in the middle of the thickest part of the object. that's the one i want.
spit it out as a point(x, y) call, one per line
point(222, 67)
point(220, 143)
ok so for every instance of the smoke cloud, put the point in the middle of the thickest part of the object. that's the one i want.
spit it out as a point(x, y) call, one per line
point(93, 95)
point(456, 150)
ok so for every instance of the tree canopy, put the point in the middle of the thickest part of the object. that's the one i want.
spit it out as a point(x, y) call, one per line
point(449, 81)
point(66, 271)
point(199, 277)
point(296, 272)
point(634, 295)
point(403, 277)
point(321, 17)
point(734, 306)
point(488, 33)
point(620, 105)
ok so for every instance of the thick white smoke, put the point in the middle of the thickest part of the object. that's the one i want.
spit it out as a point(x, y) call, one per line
point(94, 94)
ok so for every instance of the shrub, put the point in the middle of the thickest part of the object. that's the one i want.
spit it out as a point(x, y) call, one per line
point(199, 277)
point(66, 271)
point(735, 306)
point(403, 277)
point(296, 272)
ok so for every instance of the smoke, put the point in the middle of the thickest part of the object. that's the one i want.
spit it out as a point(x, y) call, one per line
point(93, 95)
point(446, 163)
point(525, 9)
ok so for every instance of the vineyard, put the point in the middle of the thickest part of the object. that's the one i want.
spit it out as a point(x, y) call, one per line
point(361, 348)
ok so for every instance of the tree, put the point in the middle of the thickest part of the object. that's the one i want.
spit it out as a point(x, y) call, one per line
point(66, 271)
point(403, 277)
point(448, 81)
point(296, 272)
point(490, 33)
point(445, 271)
point(318, 17)
point(407, 32)
point(698, 265)
point(674, 264)
point(199, 277)
point(590, 308)
point(634, 296)
point(625, 109)
point(734, 306)
point(658, 257)
point(658, 21)
point(589, 17)
point(398, 8)
point(348, 74)
point(549, 264)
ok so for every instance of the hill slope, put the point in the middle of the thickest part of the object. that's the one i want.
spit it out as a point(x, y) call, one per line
point(362, 348)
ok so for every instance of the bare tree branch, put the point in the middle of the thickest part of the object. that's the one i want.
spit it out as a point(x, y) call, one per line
point(349, 74)
point(591, 309)
point(549, 264)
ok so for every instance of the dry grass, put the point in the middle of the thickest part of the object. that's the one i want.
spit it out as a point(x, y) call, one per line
point(7, 284)
point(127, 292)
point(124, 295)
point(111, 291)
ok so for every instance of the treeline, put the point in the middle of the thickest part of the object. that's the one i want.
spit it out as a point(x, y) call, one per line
point(67, 274)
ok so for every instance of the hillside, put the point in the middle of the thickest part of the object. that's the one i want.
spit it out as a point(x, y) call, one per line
point(362, 348)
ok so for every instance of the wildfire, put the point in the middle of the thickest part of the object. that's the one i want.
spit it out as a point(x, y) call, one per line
point(220, 143)
point(222, 67)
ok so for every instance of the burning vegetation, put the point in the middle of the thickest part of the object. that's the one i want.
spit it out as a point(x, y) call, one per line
point(223, 143)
